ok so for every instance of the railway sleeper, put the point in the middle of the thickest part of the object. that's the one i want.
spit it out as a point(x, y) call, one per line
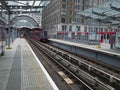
point(65, 63)
point(73, 69)
point(89, 67)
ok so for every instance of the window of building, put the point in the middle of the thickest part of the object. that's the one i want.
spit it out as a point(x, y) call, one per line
point(71, 6)
point(91, 29)
point(95, 29)
point(108, 36)
point(63, 12)
point(105, 29)
point(70, 20)
point(63, 28)
point(70, 28)
point(85, 29)
point(77, 28)
point(115, 30)
point(77, 7)
point(63, 0)
point(101, 29)
point(71, 12)
point(63, 6)
point(78, 1)
point(111, 29)
point(78, 20)
point(63, 20)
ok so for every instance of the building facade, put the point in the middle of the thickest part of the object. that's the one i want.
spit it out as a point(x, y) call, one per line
point(64, 16)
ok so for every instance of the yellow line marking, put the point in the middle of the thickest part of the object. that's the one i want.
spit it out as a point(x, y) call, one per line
point(35, 71)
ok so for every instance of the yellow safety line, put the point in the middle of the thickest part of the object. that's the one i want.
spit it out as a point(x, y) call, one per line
point(36, 73)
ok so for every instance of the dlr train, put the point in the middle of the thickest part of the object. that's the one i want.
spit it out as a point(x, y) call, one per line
point(34, 33)
point(38, 34)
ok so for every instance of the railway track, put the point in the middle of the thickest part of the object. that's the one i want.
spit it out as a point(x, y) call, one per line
point(112, 74)
point(87, 76)
point(42, 54)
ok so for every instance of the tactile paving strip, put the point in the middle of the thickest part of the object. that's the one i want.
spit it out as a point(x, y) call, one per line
point(14, 81)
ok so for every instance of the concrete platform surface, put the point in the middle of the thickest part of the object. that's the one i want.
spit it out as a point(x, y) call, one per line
point(104, 47)
point(20, 69)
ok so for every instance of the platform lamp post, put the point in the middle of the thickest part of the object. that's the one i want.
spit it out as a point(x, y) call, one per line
point(9, 33)
point(99, 46)
point(2, 53)
point(111, 38)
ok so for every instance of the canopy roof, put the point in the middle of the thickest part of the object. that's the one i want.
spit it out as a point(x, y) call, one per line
point(24, 17)
point(109, 12)
point(22, 6)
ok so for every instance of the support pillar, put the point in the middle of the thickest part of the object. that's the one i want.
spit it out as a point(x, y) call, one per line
point(9, 32)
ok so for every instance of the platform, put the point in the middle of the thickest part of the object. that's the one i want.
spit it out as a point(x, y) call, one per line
point(20, 69)
point(104, 47)
point(104, 54)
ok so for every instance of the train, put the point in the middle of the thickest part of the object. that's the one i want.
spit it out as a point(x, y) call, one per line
point(38, 34)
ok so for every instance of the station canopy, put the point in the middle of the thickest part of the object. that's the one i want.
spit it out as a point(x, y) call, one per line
point(108, 12)
point(22, 6)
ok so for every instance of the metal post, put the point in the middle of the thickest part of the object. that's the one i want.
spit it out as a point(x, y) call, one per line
point(99, 35)
point(2, 44)
point(9, 32)
point(98, 41)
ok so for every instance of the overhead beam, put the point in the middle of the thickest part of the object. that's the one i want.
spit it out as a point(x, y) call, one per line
point(21, 7)
point(24, 12)
point(5, 6)
point(32, 6)
point(28, 0)
point(19, 2)
point(40, 2)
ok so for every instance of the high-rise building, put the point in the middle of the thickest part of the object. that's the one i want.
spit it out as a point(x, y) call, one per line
point(63, 15)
